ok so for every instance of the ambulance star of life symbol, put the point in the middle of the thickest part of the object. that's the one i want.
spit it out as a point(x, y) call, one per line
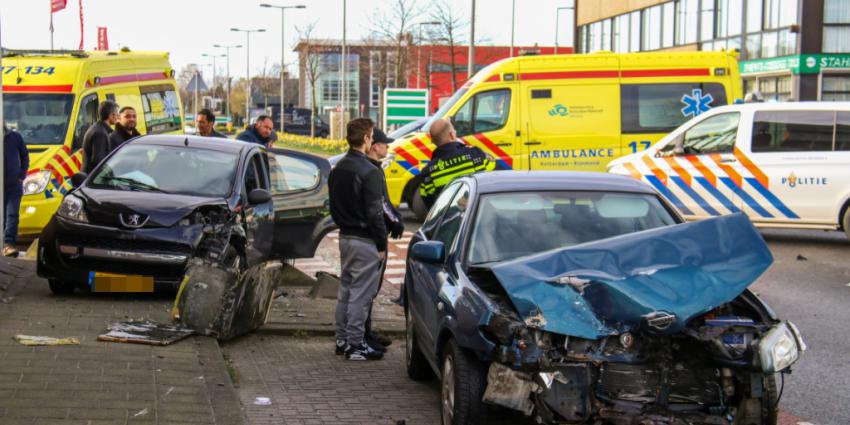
point(133, 220)
point(696, 103)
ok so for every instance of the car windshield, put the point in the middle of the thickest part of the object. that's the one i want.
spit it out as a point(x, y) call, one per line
point(167, 169)
point(512, 225)
point(42, 119)
point(441, 113)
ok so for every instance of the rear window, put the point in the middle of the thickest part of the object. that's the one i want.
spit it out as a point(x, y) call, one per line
point(661, 108)
point(792, 131)
point(161, 107)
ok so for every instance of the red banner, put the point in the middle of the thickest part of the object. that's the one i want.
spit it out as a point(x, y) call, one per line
point(81, 25)
point(102, 41)
point(57, 5)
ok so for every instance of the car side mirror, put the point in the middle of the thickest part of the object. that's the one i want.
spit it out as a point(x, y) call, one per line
point(259, 196)
point(431, 252)
point(78, 179)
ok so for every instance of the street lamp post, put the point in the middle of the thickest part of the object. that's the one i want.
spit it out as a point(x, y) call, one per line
point(282, 52)
point(513, 18)
point(213, 56)
point(248, 69)
point(227, 54)
point(557, 21)
point(342, 86)
point(419, 53)
point(470, 67)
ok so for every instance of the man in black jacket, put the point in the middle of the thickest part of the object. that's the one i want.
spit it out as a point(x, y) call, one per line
point(356, 204)
point(96, 139)
point(125, 128)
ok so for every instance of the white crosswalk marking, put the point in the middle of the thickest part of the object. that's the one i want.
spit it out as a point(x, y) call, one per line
point(394, 272)
point(395, 280)
point(396, 262)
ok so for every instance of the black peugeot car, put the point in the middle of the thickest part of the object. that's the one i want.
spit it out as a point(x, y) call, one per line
point(584, 298)
point(157, 202)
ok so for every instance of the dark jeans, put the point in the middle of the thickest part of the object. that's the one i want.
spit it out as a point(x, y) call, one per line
point(11, 210)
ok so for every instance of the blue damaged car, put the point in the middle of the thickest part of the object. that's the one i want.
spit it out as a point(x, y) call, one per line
point(585, 298)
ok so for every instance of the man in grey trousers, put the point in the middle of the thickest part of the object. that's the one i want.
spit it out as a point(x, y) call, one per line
point(356, 204)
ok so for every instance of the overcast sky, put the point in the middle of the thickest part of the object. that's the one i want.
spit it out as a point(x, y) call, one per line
point(189, 28)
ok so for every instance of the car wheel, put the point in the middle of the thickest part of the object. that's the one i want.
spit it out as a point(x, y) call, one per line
point(418, 368)
point(60, 287)
point(417, 205)
point(462, 383)
point(846, 222)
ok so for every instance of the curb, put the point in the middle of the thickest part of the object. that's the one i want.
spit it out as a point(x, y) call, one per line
point(311, 331)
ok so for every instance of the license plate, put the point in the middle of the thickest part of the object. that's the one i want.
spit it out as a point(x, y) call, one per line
point(114, 282)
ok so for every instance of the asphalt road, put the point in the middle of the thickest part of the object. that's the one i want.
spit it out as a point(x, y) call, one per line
point(813, 291)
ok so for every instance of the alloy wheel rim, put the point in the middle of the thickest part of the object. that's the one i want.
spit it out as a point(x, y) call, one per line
point(448, 392)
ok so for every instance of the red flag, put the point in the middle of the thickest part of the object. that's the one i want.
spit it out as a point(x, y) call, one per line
point(102, 41)
point(81, 25)
point(57, 5)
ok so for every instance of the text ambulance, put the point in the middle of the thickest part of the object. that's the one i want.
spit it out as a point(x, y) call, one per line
point(570, 112)
point(783, 164)
point(51, 98)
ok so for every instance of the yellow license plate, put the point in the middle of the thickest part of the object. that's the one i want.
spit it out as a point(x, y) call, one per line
point(112, 282)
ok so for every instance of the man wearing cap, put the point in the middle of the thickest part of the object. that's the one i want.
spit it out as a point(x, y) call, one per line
point(395, 225)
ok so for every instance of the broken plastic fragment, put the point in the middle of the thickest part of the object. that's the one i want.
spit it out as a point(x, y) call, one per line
point(536, 321)
point(263, 401)
point(44, 340)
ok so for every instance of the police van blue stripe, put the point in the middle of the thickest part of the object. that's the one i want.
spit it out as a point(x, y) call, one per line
point(409, 167)
point(668, 194)
point(749, 201)
point(772, 198)
point(694, 195)
point(729, 205)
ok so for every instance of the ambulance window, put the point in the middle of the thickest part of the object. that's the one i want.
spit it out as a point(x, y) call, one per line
point(86, 116)
point(842, 131)
point(713, 135)
point(792, 131)
point(161, 108)
point(660, 108)
point(486, 111)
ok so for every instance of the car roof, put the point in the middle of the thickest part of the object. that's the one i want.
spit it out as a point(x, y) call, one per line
point(199, 142)
point(521, 181)
point(784, 106)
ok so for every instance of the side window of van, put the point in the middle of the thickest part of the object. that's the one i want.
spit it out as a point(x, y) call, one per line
point(486, 111)
point(713, 135)
point(660, 108)
point(161, 109)
point(842, 131)
point(86, 116)
point(790, 131)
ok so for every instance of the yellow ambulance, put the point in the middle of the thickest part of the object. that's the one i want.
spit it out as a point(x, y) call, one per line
point(570, 112)
point(51, 99)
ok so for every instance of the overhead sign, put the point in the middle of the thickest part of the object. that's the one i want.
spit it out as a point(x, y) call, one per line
point(796, 64)
point(402, 106)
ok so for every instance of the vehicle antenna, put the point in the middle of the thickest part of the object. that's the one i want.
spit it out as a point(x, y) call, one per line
point(18, 68)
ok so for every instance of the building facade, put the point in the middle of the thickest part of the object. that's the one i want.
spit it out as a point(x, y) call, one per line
point(788, 49)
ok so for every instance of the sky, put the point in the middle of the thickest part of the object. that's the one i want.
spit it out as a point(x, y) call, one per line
point(189, 28)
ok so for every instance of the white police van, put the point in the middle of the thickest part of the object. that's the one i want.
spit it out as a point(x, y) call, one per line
point(783, 164)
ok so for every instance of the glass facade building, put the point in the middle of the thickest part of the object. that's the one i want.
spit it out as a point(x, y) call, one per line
point(788, 49)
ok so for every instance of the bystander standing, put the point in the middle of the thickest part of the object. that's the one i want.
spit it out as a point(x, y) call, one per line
point(16, 162)
point(125, 128)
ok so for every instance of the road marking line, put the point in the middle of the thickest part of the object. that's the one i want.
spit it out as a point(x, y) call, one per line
point(392, 254)
point(396, 262)
point(394, 272)
point(395, 280)
point(311, 263)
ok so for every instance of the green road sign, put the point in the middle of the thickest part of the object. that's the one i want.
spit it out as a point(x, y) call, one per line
point(402, 106)
point(797, 64)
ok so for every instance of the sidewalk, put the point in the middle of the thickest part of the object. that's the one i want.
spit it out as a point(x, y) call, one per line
point(98, 383)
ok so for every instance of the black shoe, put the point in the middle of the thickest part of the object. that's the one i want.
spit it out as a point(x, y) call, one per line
point(362, 352)
point(340, 347)
point(374, 343)
point(378, 339)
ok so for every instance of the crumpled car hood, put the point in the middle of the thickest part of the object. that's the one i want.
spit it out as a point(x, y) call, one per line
point(616, 285)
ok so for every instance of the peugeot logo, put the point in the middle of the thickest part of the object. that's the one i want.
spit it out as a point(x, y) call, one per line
point(133, 220)
point(660, 320)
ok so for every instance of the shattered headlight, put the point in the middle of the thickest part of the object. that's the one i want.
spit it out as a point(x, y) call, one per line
point(72, 208)
point(386, 162)
point(36, 182)
point(780, 347)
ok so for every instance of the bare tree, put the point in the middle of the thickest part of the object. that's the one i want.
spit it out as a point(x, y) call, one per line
point(396, 24)
point(310, 57)
point(450, 32)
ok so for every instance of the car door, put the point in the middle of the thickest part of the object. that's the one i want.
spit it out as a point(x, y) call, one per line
point(258, 218)
point(419, 277)
point(432, 278)
point(699, 171)
point(299, 187)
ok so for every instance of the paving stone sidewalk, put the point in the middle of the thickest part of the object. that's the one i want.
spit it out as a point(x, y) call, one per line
point(98, 383)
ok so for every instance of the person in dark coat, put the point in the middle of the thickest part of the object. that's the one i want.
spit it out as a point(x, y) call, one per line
point(261, 133)
point(205, 123)
point(125, 128)
point(96, 139)
point(16, 162)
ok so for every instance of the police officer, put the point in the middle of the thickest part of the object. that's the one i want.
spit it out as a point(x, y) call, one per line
point(451, 159)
